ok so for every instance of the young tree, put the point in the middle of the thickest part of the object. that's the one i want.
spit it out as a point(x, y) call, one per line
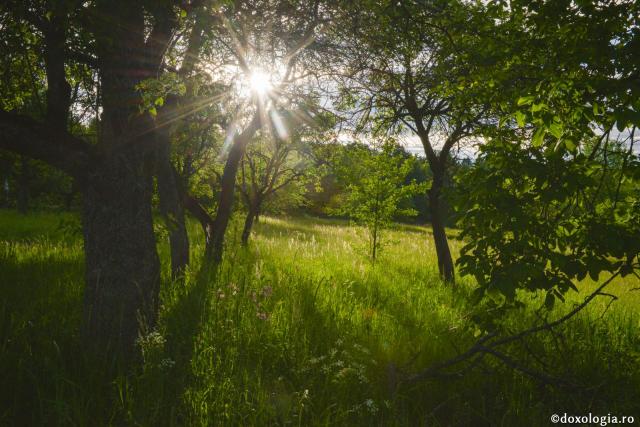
point(376, 188)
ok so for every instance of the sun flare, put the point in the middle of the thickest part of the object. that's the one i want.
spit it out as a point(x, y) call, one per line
point(260, 82)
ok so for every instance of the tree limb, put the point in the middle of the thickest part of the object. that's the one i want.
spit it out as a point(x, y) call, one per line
point(23, 135)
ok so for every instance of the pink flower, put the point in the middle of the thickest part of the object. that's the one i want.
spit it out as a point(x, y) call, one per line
point(267, 291)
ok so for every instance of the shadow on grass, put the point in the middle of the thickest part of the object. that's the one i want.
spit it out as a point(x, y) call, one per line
point(184, 315)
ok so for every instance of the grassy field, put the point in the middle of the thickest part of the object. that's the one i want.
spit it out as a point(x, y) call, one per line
point(298, 329)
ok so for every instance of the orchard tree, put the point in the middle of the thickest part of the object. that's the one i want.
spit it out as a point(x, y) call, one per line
point(267, 49)
point(554, 194)
point(397, 79)
point(559, 178)
point(270, 166)
point(122, 271)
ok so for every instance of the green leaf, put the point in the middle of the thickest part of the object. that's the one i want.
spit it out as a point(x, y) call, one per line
point(525, 100)
point(520, 118)
point(538, 107)
point(571, 145)
point(556, 129)
point(538, 137)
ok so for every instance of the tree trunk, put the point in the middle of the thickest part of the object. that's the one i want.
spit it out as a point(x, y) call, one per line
point(445, 262)
point(213, 251)
point(4, 199)
point(23, 186)
point(122, 265)
point(171, 207)
point(248, 225)
point(374, 241)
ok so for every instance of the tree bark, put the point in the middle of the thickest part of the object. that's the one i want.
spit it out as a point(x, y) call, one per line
point(445, 262)
point(437, 163)
point(122, 265)
point(171, 206)
point(23, 186)
point(213, 251)
point(115, 176)
point(196, 209)
point(248, 225)
point(171, 199)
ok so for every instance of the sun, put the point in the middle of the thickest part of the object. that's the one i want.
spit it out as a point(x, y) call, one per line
point(260, 82)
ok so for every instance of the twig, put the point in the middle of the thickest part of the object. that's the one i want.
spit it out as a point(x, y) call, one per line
point(485, 346)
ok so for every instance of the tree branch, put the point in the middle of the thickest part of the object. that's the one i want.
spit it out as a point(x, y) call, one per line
point(23, 135)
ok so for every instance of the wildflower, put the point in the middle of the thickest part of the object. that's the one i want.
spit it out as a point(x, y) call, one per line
point(167, 363)
point(267, 291)
point(153, 339)
point(233, 289)
point(371, 406)
point(262, 315)
point(220, 294)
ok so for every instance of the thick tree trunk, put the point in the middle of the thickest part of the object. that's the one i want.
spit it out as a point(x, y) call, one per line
point(248, 225)
point(171, 207)
point(122, 265)
point(445, 262)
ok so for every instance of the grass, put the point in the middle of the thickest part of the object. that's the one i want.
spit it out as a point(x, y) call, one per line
point(299, 329)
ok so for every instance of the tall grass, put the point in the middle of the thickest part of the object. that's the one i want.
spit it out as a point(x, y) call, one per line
point(298, 329)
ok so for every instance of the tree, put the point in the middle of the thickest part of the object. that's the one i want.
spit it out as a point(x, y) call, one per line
point(265, 48)
point(554, 194)
point(557, 208)
point(123, 43)
point(397, 79)
point(270, 166)
point(376, 188)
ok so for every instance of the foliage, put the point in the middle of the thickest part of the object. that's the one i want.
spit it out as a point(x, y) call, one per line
point(554, 193)
point(537, 219)
point(275, 174)
point(376, 188)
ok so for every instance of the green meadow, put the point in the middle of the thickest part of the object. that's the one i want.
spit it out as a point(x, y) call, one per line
point(300, 328)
